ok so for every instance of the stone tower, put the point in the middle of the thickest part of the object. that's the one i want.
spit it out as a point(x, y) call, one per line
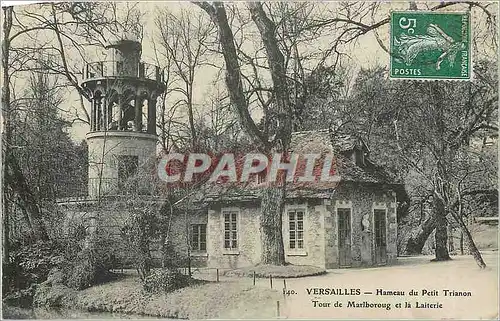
point(123, 92)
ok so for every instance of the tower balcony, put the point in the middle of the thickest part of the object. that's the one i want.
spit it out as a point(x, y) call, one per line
point(116, 68)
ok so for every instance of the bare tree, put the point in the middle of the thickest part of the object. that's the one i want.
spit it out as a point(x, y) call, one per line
point(56, 32)
point(273, 197)
point(355, 19)
point(183, 38)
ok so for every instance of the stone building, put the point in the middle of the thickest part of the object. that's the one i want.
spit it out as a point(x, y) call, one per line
point(351, 223)
point(348, 223)
point(122, 91)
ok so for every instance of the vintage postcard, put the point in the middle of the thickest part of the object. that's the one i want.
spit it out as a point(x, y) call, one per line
point(250, 160)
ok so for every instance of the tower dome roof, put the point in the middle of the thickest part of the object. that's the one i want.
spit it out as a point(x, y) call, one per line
point(126, 41)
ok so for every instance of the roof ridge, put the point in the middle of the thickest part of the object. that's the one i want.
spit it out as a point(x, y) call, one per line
point(311, 131)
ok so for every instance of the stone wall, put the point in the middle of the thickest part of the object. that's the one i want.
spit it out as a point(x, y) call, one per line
point(249, 249)
point(181, 224)
point(249, 243)
point(314, 234)
point(110, 216)
point(320, 230)
point(362, 200)
point(105, 147)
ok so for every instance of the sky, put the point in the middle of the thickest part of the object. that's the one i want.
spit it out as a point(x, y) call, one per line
point(366, 52)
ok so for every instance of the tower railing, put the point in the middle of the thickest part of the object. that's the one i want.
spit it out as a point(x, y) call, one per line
point(115, 68)
point(106, 186)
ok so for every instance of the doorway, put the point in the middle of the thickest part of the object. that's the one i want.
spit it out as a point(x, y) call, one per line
point(379, 218)
point(344, 233)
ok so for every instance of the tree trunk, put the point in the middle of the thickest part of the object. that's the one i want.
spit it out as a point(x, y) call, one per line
point(461, 243)
point(272, 205)
point(192, 129)
point(441, 235)
point(144, 264)
point(16, 181)
point(233, 78)
point(451, 245)
point(272, 202)
point(6, 139)
point(273, 198)
point(470, 242)
point(416, 243)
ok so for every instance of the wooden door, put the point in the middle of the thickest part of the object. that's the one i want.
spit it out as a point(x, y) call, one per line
point(344, 233)
point(379, 217)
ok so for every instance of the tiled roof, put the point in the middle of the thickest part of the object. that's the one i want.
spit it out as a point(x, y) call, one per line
point(234, 192)
point(320, 141)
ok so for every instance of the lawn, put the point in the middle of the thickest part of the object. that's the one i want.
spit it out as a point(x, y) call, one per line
point(285, 271)
point(485, 236)
point(209, 300)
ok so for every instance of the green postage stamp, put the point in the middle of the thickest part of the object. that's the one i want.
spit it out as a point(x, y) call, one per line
point(430, 45)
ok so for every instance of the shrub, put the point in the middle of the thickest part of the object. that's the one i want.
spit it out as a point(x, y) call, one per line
point(165, 280)
point(89, 259)
point(30, 264)
point(35, 261)
point(54, 295)
point(89, 268)
point(20, 298)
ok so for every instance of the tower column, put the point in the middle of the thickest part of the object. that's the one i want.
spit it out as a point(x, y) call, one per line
point(98, 103)
point(152, 115)
point(138, 113)
point(92, 114)
point(119, 114)
point(109, 114)
point(104, 112)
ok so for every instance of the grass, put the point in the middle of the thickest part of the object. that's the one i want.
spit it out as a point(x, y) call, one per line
point(485, 236)
point(277, 271)
point(206, 300)
point(216, 300)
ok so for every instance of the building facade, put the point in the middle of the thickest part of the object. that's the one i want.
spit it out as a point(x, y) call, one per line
point(351, 223)
point(348, 223)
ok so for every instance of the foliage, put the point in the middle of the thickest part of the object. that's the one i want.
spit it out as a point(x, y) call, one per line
point(29, 265)
point(139, 229)
point(47, 163)
point(165, 280)
point(20, 298)
point(92, 264)
point(88, 270)
point(51, 169)
point(34, 261)
point(53, 295)
point(436, 132)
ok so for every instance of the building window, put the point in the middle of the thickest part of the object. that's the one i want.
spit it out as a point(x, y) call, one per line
point(142, 70)
point(261, 177)
point(230, 229)
point(199, 237)
point(119, 67)
point(296, 228)
point(127, 167)
point(359, 155)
